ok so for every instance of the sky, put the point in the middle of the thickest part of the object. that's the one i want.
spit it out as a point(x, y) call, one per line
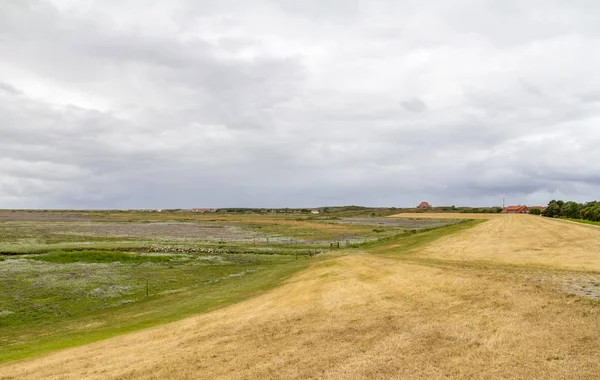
point(289, 103)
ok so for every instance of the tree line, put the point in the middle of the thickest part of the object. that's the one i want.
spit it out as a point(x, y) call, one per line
point(573, 210)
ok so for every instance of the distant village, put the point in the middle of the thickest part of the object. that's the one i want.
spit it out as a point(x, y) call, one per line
point(421, 207)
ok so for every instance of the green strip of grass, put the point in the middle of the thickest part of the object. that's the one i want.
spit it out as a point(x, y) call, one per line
point(17, 342)
point(17, 249)
point(583, 221)
point(95, 256)
point(406, 243)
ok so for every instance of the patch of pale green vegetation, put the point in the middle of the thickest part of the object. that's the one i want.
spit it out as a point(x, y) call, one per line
point(57, 305)
point(97, 256)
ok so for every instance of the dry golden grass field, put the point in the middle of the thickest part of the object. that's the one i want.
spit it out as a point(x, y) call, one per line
point(513, 297)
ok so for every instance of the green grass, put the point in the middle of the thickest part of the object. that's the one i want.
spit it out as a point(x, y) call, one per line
point(583, 221)
point(37, 328)
point(95, 256)
point(407, 242)
point(33, 248)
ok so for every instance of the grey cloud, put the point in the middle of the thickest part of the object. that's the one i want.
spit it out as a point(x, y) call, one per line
point(532, 89)
point(7, 87)
point(414, 105)
point(590, 98)
point(266, 103)
point(339, 10)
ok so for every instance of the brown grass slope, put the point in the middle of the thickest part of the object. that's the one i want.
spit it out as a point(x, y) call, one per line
point(465, 306)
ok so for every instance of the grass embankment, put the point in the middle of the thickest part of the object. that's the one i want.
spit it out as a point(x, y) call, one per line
point(40, 336)
point(411, 240)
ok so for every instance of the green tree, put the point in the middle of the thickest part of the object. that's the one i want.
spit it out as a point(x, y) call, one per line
point(571, 210)
point(553, 210)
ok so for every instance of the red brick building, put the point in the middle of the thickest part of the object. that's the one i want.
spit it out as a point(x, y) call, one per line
point(424, 205)
point(516, 210)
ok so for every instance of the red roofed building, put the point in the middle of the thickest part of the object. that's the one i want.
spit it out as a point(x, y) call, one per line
point(516, 210)
point(424, 205)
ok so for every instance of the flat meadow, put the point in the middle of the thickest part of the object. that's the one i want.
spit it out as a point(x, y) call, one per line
point(68, 278)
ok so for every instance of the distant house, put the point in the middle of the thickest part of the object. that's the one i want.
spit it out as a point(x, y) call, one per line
point(424, 205)
point(315, 212)
point(516, 210)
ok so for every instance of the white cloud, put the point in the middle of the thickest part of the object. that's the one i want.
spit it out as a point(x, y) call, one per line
point(287, 103)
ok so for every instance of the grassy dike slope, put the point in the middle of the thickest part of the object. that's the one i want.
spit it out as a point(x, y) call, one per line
point(51, 335)
point(405, 310)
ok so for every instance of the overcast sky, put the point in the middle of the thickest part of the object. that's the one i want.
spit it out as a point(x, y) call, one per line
point(300, 103)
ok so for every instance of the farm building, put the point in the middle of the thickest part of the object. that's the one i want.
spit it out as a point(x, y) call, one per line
point(315, 212)
point(516, 210)
point(424, 205)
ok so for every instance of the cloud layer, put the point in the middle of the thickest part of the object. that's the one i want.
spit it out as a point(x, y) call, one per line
point(131, 104)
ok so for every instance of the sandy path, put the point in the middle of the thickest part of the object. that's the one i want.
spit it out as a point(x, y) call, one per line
point(374, 317)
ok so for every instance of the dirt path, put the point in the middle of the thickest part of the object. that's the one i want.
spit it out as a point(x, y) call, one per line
point(376, 317)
